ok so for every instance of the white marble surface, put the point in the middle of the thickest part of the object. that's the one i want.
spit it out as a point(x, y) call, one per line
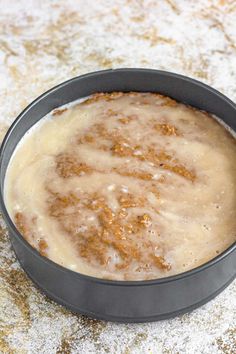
point(45, 42)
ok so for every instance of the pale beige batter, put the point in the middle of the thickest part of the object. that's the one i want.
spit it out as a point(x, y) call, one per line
point(125, 186)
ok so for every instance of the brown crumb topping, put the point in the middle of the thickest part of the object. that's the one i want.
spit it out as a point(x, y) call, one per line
point(43, 246)
point(116, 231)
point(160, 261)
point(127, 119)
point(68, 166)
point(128, 200)
point(59, 111)
point(26, 226)
point(102, 96)
point(167, 129)
point(22, 225)
point(181, 171)
point(145, 220)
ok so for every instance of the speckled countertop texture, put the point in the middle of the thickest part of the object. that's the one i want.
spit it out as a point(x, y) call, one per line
point(45, 42)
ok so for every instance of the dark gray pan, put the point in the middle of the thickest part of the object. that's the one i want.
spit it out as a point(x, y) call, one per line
point(122, 301)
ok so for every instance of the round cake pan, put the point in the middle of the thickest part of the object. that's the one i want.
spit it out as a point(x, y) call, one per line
point(121, 301)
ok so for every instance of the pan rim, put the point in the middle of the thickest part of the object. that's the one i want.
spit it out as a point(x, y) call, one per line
point(89, 278)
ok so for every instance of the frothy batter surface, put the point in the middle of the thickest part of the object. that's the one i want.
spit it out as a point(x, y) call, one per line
point(125, 186)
